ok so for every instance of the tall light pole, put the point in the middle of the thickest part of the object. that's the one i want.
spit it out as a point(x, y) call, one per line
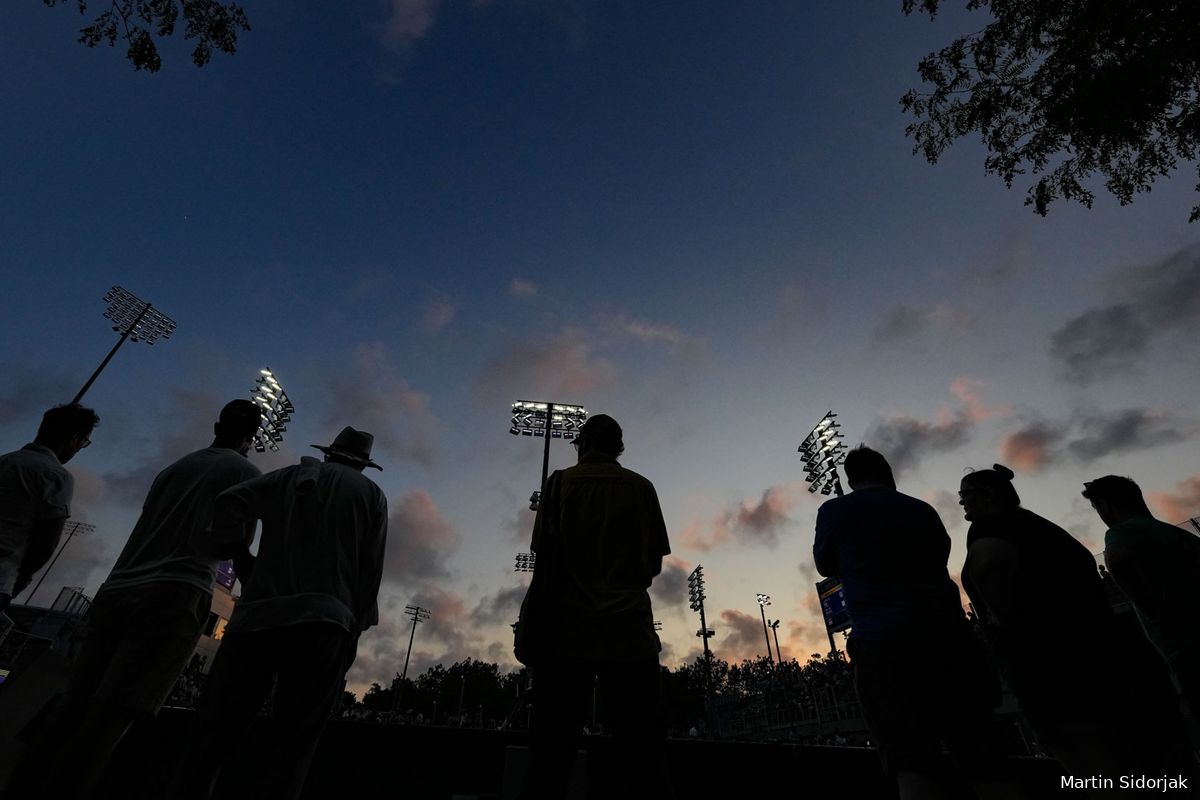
point(276, 410)
point(821, 451)
point(134, 319)
point(418, 615)
point(550, 421)
point(70, 530)
point(764, 600)
point(774, 626)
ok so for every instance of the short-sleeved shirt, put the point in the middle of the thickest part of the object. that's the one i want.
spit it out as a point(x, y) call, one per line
point(610, 539)
point(890, 551)
point(34, 488)
point(177, 511)
point(1169, 558)
point(320, 558)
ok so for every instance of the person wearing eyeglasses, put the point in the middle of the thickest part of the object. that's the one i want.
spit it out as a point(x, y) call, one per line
point(35, 495)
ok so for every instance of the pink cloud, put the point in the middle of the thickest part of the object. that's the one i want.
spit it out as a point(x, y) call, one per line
point(561, 367)
point(758, 522)
point(1178, 505)
point(1029, 449)
point(420, 539)
point(519, 287)
point(438, 314)
point(739, 637)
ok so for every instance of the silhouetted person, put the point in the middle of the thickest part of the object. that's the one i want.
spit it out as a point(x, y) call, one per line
point(306, 598)
point(147, 617)
point(600, 539)
point(1098, 699)
point(35, 495)
point(1158, 567)
point(921, 675)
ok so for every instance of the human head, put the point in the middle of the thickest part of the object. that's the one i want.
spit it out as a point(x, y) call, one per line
point(867, 467)
point(235, 428)
point(983, 492)
point(600, 434)
point(66, 430)
point(1116, 499)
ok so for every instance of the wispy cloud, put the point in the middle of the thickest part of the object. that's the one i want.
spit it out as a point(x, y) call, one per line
point(740, 637)
point(904, 322)
point(753, 522)
point(520, 287)
point(369, 394)
point(1155, 299)
point(1116, 432)
point(670, 590)
point(1179, 504)
point(649, 332)
point(906, 440)
point(420, 540)
point(406, 21)
point(1031, 447)
point(438, 314)
point(563, 366)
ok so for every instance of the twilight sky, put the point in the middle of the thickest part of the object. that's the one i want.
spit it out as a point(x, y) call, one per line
point(706, 223)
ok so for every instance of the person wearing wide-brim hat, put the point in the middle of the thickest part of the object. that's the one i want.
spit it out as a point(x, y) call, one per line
point(350, 447)
point(307, 596)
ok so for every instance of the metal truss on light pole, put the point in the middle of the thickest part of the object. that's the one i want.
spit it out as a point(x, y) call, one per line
point(821, 451)
point(70, 530)
point(418, 615)
point(550, 421)
point(764, 600)
point(136, 320)
point(276, 410)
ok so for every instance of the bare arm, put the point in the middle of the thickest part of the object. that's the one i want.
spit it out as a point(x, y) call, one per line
point(993, 564)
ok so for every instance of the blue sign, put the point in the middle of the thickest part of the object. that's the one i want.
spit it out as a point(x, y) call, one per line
point(225, 575)
point(833, 605)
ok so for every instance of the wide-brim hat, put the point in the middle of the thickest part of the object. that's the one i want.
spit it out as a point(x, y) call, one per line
point(353, 446)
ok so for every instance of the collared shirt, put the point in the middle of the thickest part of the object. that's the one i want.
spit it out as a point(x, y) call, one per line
point(610, 541)
point(34, 488)
point(890, 550)
point(178, 509)
point(320, 558)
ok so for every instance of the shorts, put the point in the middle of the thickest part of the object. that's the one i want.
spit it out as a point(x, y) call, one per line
point(138, 641)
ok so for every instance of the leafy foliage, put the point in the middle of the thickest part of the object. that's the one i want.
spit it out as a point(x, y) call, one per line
point(1067, 90)
point(212, 23)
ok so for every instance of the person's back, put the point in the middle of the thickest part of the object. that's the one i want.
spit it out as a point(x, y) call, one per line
point(890, 551)
point(612, 547)
point(177, 511)
point(320, 550)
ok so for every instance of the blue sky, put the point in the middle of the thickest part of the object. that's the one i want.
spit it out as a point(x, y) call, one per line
point(708, 224)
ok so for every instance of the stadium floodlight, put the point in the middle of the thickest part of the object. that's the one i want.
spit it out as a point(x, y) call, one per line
point(550, 421)
point(71, 529)
point(658, 624)
point(525, 562)
point(822, 450)
point(774, 626)
point(764, 600)
point(276, 410)
point(135, 320)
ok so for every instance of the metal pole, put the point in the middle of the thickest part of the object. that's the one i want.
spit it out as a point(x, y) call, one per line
point(775, 632)
point(404, 674)
point(763, 610)
point(74, 530)
point(546, 451)
point(110, 355)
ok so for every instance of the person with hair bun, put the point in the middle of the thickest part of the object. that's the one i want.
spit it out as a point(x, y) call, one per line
point(1097, 698)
